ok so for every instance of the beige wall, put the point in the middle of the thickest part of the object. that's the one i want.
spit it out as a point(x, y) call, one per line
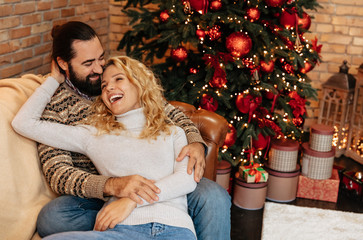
point(25, 40)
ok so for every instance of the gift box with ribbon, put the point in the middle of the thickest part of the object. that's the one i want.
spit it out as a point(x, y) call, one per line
point(253, 173)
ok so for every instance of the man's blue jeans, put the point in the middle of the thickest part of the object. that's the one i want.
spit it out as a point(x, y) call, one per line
point(134, 232)
point(209, 207)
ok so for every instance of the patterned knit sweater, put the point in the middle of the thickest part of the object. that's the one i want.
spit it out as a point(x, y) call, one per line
point(73, 173)
point(120, 155)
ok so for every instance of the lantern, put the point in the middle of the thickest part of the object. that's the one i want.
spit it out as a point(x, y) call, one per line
point(355, 137)
point(336, 106)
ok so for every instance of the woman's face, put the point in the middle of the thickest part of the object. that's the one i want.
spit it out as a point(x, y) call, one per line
point(118, 93)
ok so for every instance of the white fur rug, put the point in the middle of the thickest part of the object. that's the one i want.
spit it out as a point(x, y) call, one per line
point(288, 222)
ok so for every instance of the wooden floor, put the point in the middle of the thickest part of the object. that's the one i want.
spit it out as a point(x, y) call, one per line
point(247, 224)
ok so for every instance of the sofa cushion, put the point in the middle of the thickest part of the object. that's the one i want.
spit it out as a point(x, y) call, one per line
point(23, 188)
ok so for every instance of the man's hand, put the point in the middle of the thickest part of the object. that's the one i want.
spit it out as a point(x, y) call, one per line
point(132, 187)
point(195, 151)
point(56, 73)
point(114, 213)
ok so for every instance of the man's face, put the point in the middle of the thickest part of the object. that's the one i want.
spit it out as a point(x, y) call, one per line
point(85, 69)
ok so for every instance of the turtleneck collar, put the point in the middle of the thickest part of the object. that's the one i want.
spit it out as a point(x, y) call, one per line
point(132, 119)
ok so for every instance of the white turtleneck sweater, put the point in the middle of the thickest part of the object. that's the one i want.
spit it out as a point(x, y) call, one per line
point(120, 155)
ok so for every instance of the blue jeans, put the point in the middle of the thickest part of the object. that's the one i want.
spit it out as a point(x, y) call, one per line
point(209, 207)
point(147, 231)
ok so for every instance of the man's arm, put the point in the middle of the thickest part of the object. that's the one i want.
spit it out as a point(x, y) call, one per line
point(196, 148)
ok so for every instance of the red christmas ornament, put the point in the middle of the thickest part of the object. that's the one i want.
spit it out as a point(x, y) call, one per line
point(267, 67)
point(164, 16)
point(253, 14)
point(214, 32)
point(304, 22)
point(215, 5)
point(200, 33)
point(298, 122)
point(275, 3)
point(200, 6)
point(219, 79)
point(261, 142)
point(307, 67)
point(238, 44)
point(208, 103)
point(230, 137)
point(179, 54)
point(288, 18)
point(243, 102)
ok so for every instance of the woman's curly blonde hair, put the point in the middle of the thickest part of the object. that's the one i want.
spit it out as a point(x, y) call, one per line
point(151, 100)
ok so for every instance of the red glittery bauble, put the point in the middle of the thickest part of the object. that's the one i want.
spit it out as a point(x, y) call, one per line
point(261, 142)
point(288, 19)
point(307, 67)
point(179, 54)
point(208, 103)
point(298, 122)
point(230, 137)
point(304, 22)
point(267, 67)
point(253, 14)
point(164, 16)
point(275, 3)
point(200, 33)
point(238, 44)
point(215, 5)
point(243, 102)
point(200, 6)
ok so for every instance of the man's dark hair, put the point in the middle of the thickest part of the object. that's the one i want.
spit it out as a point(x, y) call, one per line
point(64, 36)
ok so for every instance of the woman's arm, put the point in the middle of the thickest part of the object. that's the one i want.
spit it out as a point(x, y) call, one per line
point(27, 122)
point(180, 182)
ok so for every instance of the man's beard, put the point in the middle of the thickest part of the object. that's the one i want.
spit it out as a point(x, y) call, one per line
point(85, 85)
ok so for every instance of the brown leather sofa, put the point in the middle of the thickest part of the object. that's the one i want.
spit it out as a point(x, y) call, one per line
point(213, 128)
point(23, 188)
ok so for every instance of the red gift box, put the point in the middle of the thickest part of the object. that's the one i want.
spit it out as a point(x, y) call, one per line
point(324, 190)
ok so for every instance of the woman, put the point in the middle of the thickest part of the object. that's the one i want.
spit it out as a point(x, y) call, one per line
point(127, 133)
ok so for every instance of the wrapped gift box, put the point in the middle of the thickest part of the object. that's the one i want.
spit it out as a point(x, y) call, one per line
point(249, 174)
point(324, 190)
point(352, 186)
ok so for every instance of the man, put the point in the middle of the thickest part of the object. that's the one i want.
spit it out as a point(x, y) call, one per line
point(79, 53)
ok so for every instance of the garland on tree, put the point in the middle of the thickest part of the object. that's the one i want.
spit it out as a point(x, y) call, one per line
point(245, 60)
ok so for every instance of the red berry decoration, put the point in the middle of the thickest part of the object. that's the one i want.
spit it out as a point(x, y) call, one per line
point(267, 67)
point(164, 16)
point(288, 19)
point(253, 14)
point(261, 142)
point(179, 54)
point(275, 3)
point(238, 44)
point(208, 103)
point(304, 22)
point(215, 5)
point(214, 32)
point(200, 33)
point(200, 6)
point(230, 137)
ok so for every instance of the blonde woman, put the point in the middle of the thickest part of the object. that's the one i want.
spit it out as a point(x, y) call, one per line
point(126, 134)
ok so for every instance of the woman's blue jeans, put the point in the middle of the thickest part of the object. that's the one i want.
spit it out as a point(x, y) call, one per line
point(147, 231)
point(209, 207)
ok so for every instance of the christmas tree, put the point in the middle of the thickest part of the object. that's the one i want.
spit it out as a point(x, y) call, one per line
point(245, 60)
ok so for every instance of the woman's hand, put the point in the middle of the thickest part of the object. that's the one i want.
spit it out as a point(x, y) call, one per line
point(55, 73)
point(114, 213)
